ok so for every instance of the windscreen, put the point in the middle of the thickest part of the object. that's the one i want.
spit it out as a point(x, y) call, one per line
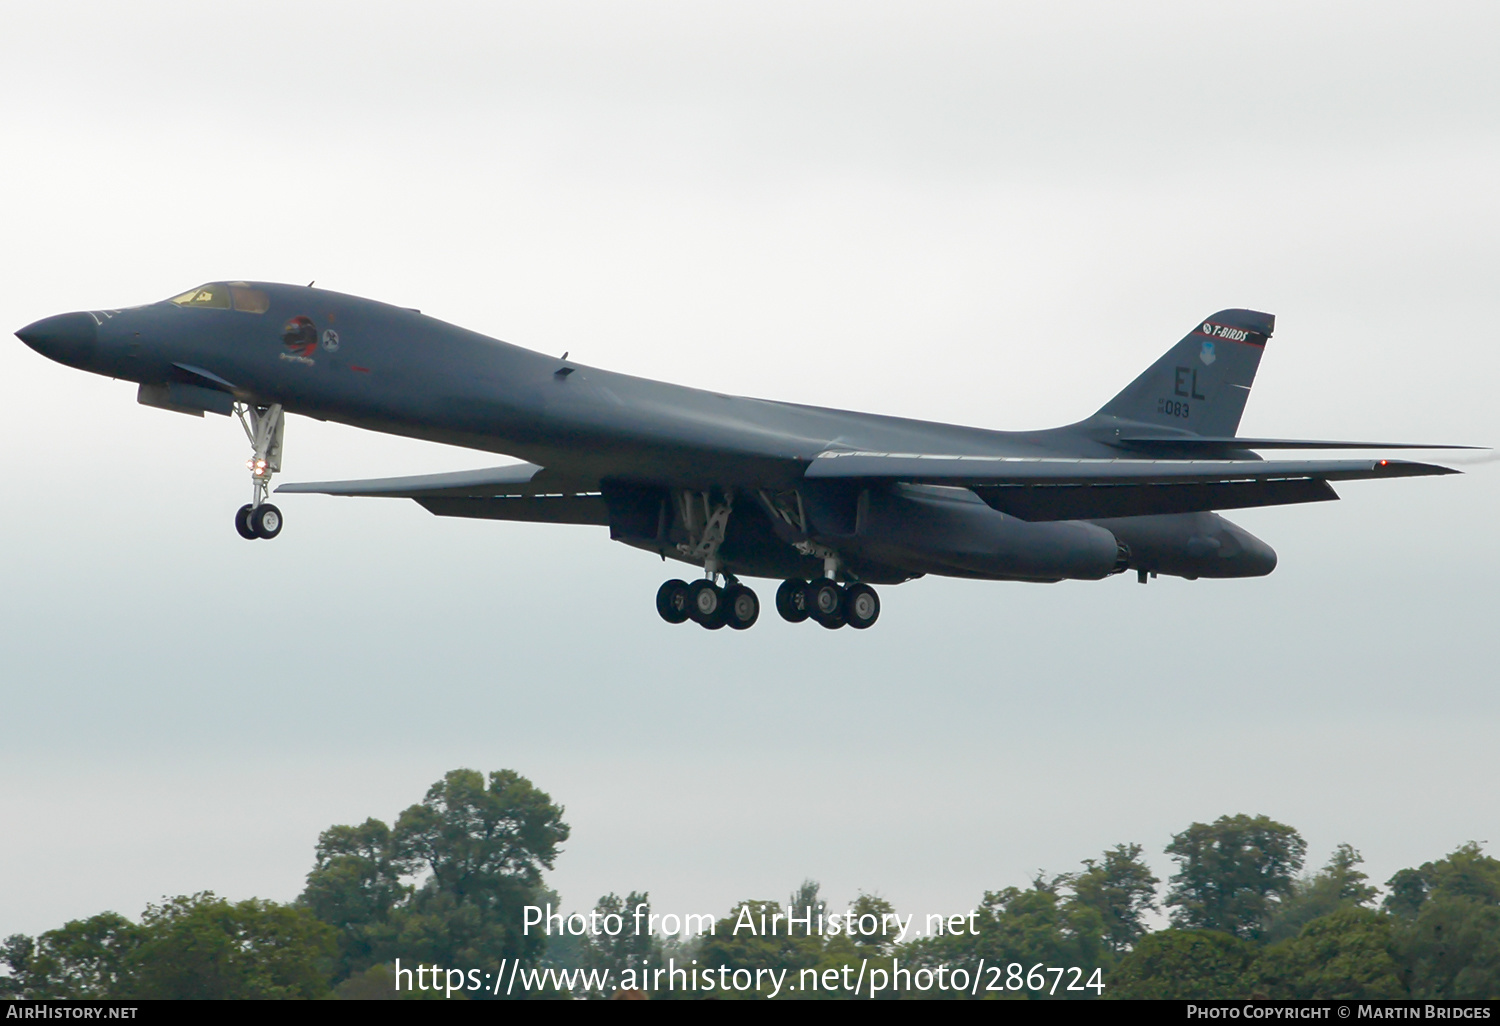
point(221, 296)
point(215, 296)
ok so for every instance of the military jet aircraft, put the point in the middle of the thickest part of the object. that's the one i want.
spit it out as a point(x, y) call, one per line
point(830, 502)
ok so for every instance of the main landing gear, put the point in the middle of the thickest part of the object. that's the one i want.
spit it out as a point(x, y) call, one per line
point(705, 603)
point(264, 426)
point(735, 606)
point(829, 603)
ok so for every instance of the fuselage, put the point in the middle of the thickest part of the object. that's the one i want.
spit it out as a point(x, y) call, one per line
point(368, 364)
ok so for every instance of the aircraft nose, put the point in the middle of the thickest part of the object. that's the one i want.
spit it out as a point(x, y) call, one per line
point(69, 338)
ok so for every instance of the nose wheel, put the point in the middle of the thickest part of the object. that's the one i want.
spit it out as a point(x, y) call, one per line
point(264, 427)
point(263, 521)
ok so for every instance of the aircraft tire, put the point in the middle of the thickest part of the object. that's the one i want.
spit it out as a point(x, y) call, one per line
point(861, 606)
point(825, 603)
point(672, 601)
point(266, 521)
point(791, 601)
point(741, 607)
point(242, 523)
point(706, 604)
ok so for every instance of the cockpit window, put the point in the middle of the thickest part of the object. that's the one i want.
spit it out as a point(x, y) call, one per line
point(220, 296)
point(249, 300)
point(214, 296)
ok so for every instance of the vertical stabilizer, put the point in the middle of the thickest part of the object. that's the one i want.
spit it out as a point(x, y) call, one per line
point(1202, 382)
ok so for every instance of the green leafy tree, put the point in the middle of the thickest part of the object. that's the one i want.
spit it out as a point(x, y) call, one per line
point(1030, 926)
point(203, 947)
point(355, 887)
point(1466, 873)
point(1339, 885)
point(871, 912)
point(747, 939)
point(483, 847)
point(807, 899)
point(626, 949)
point(17, 952)
point(1447, 935)
point(476, 848)
point(85, 959)
point(1342, 955)
point(1233, 874)
point(1184, 964)
point(1121, 888)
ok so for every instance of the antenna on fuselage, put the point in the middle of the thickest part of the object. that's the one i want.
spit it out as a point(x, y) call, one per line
point(310, 284)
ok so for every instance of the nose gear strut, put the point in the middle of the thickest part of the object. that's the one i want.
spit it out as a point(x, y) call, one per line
point(264, 427)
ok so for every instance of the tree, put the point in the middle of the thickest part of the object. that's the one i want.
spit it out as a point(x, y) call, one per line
point(1030, 926)
point(1344, 955)
point(747, 938)
point(202, 947)
point(804, 900)
point(1447, 935)
point(1233, 874)
point(1466, 873)
point(1338, 886)
point(625, 949)
point(872, 927)
point(483, 849)
point(85, 959)
point(476, 848)
point(354, 887)
point(1184, 964)
point(1121, 889)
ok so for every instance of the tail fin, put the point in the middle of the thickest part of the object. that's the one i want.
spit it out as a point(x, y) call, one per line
point(1201, 384)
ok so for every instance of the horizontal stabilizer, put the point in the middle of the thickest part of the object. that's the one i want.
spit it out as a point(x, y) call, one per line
point(1050, 488)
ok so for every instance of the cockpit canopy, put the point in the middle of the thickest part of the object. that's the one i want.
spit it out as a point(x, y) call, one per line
point(233, 295)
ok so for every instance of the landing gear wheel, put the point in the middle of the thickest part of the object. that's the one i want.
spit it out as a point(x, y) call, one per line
point(825, 601)
point(242, 523)
point(741, 607)
point(791, 601)
point(672, 601)
point(861, 606)
point(265, 520)
point(706, 604)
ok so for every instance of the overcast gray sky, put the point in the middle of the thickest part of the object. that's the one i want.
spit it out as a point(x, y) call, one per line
point(986, 213)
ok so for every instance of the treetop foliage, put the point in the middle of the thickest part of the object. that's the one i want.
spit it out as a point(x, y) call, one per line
point(1233, 873)
point(447, 883)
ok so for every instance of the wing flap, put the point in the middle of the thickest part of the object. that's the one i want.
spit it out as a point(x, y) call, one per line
point(516, 479)
point(1202, 443)
point(1053, 488)
point(1090, 502)
point(538, 509)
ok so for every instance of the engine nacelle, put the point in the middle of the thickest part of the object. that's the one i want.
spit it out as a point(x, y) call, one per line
point(951, 531)
point(1192, 545)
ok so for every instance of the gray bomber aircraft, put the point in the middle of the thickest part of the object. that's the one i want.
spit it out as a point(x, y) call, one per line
point(828, 501)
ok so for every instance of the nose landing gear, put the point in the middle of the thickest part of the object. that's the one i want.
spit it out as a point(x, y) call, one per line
point(264, 427)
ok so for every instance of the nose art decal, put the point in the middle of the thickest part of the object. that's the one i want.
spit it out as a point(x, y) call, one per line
point(300, 335)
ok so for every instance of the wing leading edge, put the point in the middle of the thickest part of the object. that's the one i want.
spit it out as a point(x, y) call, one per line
point(1043, 488)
